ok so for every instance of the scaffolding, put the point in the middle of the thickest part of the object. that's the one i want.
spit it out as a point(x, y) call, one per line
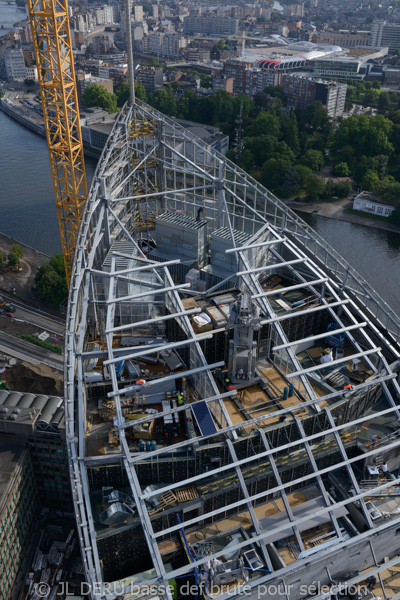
point(158, 169)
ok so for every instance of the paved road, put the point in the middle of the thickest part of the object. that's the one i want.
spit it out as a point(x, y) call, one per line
point(30, 353)
point(36, 317)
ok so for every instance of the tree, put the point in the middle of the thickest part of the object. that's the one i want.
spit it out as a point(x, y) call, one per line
point(29, 82)
point(276, 91)
point(388, 192)
point(97, 95)
point(368, 136)
point(290, 132)
point(16, 248)
point(205, 81)
point(261, 147)
point(342, 189)
point(246, 160)
point(274, 171)
point(384, 101)
point(13, 259)
point(369, 180)
point(122, 93)
point(291, 182)
point(346, 153)
point(50, 281)
point(187, 107)
point(341, 169)
point(265, 123)
point(314, 117)
point(262, 100)
point(313, 159)
point(164, 101)
point(2, 261)
point(314, 187)
point(395, 216)
point(15, 255)
point(304, 173)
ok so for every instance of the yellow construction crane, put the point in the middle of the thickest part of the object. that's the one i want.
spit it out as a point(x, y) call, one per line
point(55, 63)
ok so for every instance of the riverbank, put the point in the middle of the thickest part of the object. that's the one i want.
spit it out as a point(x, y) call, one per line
point(33, 124)
point(20, 284)
point(337, 211)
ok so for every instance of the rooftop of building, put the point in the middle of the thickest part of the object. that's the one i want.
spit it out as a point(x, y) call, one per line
point(34, 411)
point(369, 197)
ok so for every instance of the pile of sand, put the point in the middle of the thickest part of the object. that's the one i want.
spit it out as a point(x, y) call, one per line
point(36, 379)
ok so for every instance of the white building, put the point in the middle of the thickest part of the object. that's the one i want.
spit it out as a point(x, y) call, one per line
point(104, 15)
point(155, 42)
point(138, 12)
point(172, 43)
point(81, 23)
point(31, 73)
point(14, 64)
point(385, 34)
point(364, 202)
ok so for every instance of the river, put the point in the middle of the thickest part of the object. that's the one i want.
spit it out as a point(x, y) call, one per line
point(27, 206)
point(9, 14)
point(28, 213)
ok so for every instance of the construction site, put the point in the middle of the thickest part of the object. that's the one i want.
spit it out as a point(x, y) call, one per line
point(231, 383)
point(231, 387)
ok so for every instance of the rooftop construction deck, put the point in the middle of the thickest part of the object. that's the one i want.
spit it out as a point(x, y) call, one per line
point(231, 390)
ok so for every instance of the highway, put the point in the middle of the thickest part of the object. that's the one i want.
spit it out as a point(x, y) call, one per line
point(36, 317)
point(30, 353)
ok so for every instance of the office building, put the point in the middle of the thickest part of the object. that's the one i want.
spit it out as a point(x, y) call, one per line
point(38, 421)
point(256, 80)
point(385, 35)
point(104, 14)
point(210, 25)
point(236, 68)
point(14, 64)
point(138, 12)
point(19, 509)
point(302, 90)
point(345, 38)
point(151, 78)
point(171, 45)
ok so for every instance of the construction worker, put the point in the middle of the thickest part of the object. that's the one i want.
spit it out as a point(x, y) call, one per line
point(375, 440)
point(199, 213)
point(327, 356)
point(371, 582)
point(180, 400)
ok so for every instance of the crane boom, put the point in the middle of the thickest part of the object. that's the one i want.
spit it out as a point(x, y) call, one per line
point(55, 63)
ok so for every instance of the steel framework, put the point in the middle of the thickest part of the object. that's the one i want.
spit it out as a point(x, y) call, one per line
point(152, 165)
point(53, 53)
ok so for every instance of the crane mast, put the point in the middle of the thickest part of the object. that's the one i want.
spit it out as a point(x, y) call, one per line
point(55, 63)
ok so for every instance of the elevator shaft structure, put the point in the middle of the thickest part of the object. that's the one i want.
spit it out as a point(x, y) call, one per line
point(55, 62)
point(244, 318)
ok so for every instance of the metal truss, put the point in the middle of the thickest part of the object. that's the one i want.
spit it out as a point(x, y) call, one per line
point(150, 164)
